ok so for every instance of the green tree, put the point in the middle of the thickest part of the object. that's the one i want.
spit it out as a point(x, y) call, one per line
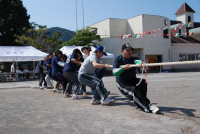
point(13, 16)
point(83, 37)
point(38, 38)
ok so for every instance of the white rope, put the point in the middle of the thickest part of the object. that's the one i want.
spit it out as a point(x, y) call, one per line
point(165, 63)
point(141, 76)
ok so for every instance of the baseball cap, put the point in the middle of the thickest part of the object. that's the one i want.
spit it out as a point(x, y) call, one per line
point(127, 46)
point(102, 49)
point(87, 47)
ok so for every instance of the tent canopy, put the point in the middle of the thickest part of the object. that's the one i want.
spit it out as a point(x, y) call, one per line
point(67, 50)
point(20, 53)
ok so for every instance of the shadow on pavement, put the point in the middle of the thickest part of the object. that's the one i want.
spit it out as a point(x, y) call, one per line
point(187, 112)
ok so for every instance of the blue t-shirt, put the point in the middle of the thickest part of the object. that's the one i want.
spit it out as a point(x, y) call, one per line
point(55, 67)
point(48, 61)
point(71, 66)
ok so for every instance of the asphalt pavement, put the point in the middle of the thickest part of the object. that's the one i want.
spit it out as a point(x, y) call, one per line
point(26, 109)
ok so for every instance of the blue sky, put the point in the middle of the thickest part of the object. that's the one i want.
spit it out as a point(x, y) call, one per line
point(62, 13)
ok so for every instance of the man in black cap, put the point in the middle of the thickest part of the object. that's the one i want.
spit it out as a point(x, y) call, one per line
point(127, 81)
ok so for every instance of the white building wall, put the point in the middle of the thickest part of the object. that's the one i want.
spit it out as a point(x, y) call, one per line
point(134, 25)
point(103, 28)
point(184, 18)
point(118, 27)
point(183, 48)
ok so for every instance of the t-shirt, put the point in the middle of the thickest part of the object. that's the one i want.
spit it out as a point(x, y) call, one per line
point(78, 66)
point(40, 66)
point(125, 75)
point(55, 66)
point(25, 71)
point(12, 70)
point(19, 72)
point(87, 66)
point(49, 69)
point(71, 66)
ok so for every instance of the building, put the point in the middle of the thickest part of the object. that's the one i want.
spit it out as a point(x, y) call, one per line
point(153, 37)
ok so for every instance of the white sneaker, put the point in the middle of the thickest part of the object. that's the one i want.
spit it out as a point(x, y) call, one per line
point(107, 101)
point(38, 86)
point(41, 87)
point(55, 90)
point(76, 97)
point(95, 102)
point(153, 108)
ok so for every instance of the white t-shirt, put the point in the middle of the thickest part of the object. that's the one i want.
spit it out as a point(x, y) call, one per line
point(12, 70)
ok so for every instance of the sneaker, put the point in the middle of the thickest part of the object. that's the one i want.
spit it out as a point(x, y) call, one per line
point(55, 90)
point(153, 108)
point(95, 102)
point(38, 86)
point(45, 88)
point(50, 87)
point(84, 94)
point(41, 87)
point(107, 101)
point(76, 97)
point(66, 95)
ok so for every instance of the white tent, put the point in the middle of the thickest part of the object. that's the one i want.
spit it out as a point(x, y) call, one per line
point(67, 50)
point(20, 53)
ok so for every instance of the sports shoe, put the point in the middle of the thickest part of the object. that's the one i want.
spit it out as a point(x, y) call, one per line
point(95, 102)
point(50, 87)
point(76, 97)
point(153, 108)
point(55, 90)
point(45, 88)
point(66, 95)
point(41, 87)
point(107, 101)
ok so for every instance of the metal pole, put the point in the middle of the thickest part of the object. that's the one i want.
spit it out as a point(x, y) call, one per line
point(76, 17)
point(83, 13)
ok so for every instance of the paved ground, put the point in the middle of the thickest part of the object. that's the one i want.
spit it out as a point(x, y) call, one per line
point(27, 109)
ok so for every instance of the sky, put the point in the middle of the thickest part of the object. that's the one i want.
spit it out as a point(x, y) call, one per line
point(62, 13)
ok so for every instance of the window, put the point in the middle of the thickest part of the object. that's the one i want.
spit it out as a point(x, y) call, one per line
point(191, 57)
point(165, 32)
point(197, 57)
point(182, 57)
point(189, 18)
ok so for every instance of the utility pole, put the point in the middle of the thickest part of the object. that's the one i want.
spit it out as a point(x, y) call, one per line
point(76, 16)
point(83, 13)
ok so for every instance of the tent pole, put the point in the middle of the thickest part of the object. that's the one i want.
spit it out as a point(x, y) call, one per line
point(16, 72)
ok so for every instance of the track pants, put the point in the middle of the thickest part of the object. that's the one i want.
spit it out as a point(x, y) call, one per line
point(93, 82)
point(41, 79)
point(61, 79)
point(72, 78)
point(136, 93)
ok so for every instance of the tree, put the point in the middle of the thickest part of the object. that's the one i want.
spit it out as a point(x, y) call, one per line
point(38, 38)
point(13, 16)
point(83, 37)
